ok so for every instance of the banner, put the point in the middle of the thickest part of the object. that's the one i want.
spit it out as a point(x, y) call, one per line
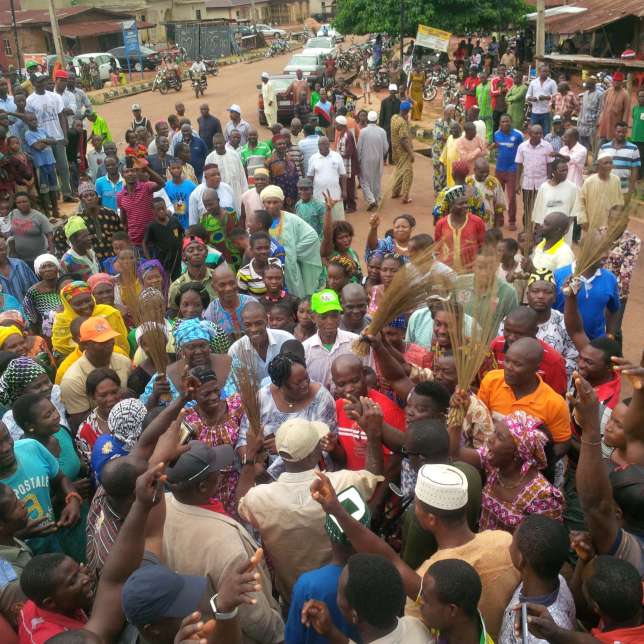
point(41, 59)
point(132, 50)
point(432, 38)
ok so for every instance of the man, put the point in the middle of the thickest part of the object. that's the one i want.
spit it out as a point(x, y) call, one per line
point(230, 167)
point(299, 544)
point(626, 160)
point(599, 193)
point(329, 175)
point(518, 386)
point(508, 58)
point(270, 99)
point(506, 142)
point(160, 162)
point(372, 151)
point(540, 93)
point(212, 180)
point(138, 120)
point(469, 85)
point(263, 343)
point(198, 149)
point(491, 191)
point(565, 103)
point(97, 344)
point(554, 137)
point(500, 86)
point(234, 142)
point(179, 189)
point(161, 128)
point(308, 145)
point(532, 160)
point(49, 110)
point(224, 543)
point(297, 86)
point(69, 100)
point(346, 147)
point(575, 154)
point(403, 154)
point(389, 107)
point(354, 306)
point(236, 123)
point(553, 251)
point(209, 125)
point(330, 341)
point(16, 276)
point(303, 109)
point(615, 109)
point(6, 102)
point(83, 104)
point(522, 323)
point(193, 254)
point(284, 172)
point(589, 109)
point(297, 133)
point(470, 147)
point(253, 155)
point(293, 152)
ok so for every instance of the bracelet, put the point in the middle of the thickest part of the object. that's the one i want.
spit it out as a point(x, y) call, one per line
point(222, 617)
point(583, 442)
point(248, 461)
point(73, 495)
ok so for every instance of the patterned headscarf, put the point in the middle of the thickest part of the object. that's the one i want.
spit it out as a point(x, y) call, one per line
point(125, 421)
point(8, 331)
point(454, 193)
point(13, 317)
point(71, 290)
point(99, 278)
point(541, 275)
point(19, 373)
point(529, 440)
point(153, 265)
point(190, 330)
point(399, 323)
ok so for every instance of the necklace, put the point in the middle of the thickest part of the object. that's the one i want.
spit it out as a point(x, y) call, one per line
point(404, 249)
point(290, 405)
point(510, 486)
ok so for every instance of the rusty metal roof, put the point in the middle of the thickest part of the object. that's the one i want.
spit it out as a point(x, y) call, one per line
point(95, 28)
point(598, 13)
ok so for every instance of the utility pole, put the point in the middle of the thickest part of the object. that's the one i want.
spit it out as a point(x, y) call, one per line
point(58, 46)
point(540, 45)
point(402, 19)
point(15, 35)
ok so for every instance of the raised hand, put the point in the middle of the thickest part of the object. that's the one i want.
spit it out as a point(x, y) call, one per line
point(323, 492)
point(586, 404)
point(632, 372)
point(374, 220)
point(316, 614)
point(194, 630)
point(149, 486)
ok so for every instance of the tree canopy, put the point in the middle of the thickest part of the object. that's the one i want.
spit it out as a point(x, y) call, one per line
point(457, 16)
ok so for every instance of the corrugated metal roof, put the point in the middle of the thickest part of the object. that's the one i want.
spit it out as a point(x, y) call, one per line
point(599, 13)
point(41, 16)
point(95, 28)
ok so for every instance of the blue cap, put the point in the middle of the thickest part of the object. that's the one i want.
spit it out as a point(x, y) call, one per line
point(154, 592)
point(405, 105)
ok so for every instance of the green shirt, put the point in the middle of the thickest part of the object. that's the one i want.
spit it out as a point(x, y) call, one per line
point(515, 100)
point(313, 214)
point(315, 98)
point(100, 127)
point(262, 151)
point(637, 135)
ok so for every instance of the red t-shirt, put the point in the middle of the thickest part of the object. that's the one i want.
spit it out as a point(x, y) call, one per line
point(469, 84)
point(552, 368)
point(137, 208)
point(465, 241)
point(608, 393)
point(38, 625)
point(633, 635)
point(354, 440)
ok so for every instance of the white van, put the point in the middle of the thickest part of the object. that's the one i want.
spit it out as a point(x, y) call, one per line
point(103, 60)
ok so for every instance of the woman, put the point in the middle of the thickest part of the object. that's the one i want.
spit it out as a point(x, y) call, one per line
point(302, 264)
point(31, 231)
point(614, 442)
point(151, 274)
point(391, 264)
point(42, 300)
point(336, 246)
point(215, 421)
point(103, 388)
point(484, 101)
point(41, 421)
point(219, 223)
point(395, 241)
point(34, 345)
point(511, 461)
point(77, 299)
point(8, 302)
point(192, 341)
point(450, 154)
point(125, 425)
point(441, 132)
point(102, 288)
point(416, 87)
point(291, 394)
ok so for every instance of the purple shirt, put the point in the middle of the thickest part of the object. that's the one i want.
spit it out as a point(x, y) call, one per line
point(535, 159)
point(137, 208)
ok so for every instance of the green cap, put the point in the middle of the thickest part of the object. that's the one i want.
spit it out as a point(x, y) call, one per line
point(354, 504)
point(31, 63)
point(325, 301)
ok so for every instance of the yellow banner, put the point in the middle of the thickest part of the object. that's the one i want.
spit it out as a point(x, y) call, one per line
point(432, 38)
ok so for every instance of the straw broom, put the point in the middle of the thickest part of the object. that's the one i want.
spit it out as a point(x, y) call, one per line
point(151, 307)
point(245, 379)
point(130, 289)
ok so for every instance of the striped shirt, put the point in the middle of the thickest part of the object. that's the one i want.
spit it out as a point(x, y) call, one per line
point(250, 281)
point(103, 526)
point(625, 158)
point(20, 279)
point(136, 207)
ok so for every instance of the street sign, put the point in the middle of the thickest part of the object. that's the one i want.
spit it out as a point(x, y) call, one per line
point(432, 38)
point(131, 47)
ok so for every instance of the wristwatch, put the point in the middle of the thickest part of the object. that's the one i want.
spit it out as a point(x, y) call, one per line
point(247, 461)
point(222, 617)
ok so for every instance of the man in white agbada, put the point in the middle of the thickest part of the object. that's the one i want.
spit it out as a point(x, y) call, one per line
point(270, 100)
point(211, 179)
point(372, 150)
point(231, 168)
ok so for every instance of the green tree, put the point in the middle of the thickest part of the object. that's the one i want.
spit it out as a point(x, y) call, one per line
point(456, 16)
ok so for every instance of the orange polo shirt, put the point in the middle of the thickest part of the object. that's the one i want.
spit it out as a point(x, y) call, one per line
point(543, 403)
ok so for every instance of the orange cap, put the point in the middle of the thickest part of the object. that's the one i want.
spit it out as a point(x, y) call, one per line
point(97, 330)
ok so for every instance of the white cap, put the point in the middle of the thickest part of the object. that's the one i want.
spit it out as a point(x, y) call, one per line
point(136, 107)
point(297, 438)
point(372, 117)
point(442, 487)
point(393, 87)
point(341, 120)
point(235, 108)
point(265, 75)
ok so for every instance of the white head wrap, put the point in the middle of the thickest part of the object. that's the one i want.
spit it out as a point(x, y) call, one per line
point(45, 258)
point(272, 192)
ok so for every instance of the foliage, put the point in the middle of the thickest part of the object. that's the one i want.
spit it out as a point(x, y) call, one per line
point(456, 16)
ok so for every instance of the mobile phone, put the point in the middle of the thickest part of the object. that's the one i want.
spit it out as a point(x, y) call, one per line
point(187, 433)
point(525, 635)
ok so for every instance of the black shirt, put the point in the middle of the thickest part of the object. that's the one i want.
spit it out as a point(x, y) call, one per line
point(164, 243)
point(160, 165)
point(208, 127)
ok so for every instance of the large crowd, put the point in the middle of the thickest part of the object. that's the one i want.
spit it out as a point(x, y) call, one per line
point(206, 416)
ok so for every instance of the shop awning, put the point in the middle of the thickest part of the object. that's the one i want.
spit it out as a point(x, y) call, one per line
point(95, 28)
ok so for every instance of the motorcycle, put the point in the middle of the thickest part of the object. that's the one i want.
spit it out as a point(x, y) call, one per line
point(211, 67)
point(164, 82)
point(199, 84)
point(380, 79)
point(278, 46)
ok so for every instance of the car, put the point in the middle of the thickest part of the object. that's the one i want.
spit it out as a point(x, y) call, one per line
point(285, 107)
point(50, 61)
point(150, 58)
point(103, 60)
point(327, 30)
point(320, 46)
point(312, 67)
point(267, 31)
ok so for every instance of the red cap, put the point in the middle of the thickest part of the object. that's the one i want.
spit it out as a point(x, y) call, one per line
point(618, 76)
point(61, 73)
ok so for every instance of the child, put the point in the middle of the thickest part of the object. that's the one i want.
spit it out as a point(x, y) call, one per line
point(336, 244)
point(510, 267)
point(365, 81)
point(43, 158)
point(120, 241)
point(338, 275)
point(373, 273)
point(250, 278)
point(214, 257)
point(280, 316)
point(163, 239)
point(80, 259)
point(275, 292)
point(179, 190)
point(309, 209)
point(6, 206)
point(19, 168)
point(305, 327)
point(95, 157)
point(182, 152)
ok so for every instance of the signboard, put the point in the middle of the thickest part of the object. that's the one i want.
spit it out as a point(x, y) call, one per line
point(41, 59)
point(432, 38)
point(131, 46)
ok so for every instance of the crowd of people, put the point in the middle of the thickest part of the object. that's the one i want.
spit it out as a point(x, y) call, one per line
point(257, 468)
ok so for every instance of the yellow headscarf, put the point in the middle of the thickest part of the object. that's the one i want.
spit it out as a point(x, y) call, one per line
point(6, 331)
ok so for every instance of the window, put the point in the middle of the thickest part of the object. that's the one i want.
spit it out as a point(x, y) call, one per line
point(7, 47)
point(198, 14)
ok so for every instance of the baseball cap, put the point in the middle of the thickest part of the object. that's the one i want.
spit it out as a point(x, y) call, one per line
point(305, 182)
point(136, 107)
point(97, 330)
point(325, 301)
point(442, 486)
point(154, 592)
point(393, 87)
point(61, 73)
point(31, 63)
point(352, 501)
point(618, 76)
point(297, 438)
point(199, 461)
point(557, 118)
point(235, 108)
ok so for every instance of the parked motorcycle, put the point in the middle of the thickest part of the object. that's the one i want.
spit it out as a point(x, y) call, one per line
point(199, 84)
point(211, 67)
point(380, 79)
point(164, 82)
point(278, 46)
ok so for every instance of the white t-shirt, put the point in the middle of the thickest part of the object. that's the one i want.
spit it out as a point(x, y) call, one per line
point(47, 107)
point(326, 172)
point(410, 630)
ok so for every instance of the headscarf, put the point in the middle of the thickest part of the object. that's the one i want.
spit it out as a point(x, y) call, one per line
point(541, 275)
point(99, 278)
point(454, 193)
point(529, 440)
point(74, 225)
point(150, 265)
point(19, 373)
point(191, 239)
point(71, 290)
point(7, 331)
point(261, 172)
point(399, 323)
point(86, 186)
point(45, 258)
point(279, 137)
point(190, 330)
point(125, 421)
point(14, 317)
point(272, 192)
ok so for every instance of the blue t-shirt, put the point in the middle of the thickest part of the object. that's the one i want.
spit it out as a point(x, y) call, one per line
point(593, 299)
point(106, 191)
point(506, 150)
point(179, 194)
point(320, 584)
point(40, 157)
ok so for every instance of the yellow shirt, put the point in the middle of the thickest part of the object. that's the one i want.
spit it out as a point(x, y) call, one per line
point(71, 359)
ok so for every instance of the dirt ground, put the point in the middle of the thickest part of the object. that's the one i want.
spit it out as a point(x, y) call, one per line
point(238, 84)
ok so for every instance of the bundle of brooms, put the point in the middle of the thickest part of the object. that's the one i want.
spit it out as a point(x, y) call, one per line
point(130, 289)
point(151, 308)
point(245, 379)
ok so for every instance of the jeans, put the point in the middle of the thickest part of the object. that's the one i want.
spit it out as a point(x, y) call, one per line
point(541, 119)
point(60, 154)
point(508, 180)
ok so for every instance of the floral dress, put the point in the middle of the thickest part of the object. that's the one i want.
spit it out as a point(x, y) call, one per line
point(440, 135)
point(40, 308)
point(225, 433)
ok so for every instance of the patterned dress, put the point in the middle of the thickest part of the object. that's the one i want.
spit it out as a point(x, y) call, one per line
point(440, 136)
point(474, 202)
point(40, 308)
point(622, 259)
point(285, 175)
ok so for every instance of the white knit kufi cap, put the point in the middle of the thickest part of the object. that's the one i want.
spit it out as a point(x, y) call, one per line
point(442, 487)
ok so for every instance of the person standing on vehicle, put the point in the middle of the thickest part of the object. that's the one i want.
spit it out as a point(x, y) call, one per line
point(388, 108)
point(141, 121)
point(269, 98)
point(300, 84)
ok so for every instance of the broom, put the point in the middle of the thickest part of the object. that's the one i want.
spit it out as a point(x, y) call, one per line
point(245, 379)
point(151, 308)
point(130, 288)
